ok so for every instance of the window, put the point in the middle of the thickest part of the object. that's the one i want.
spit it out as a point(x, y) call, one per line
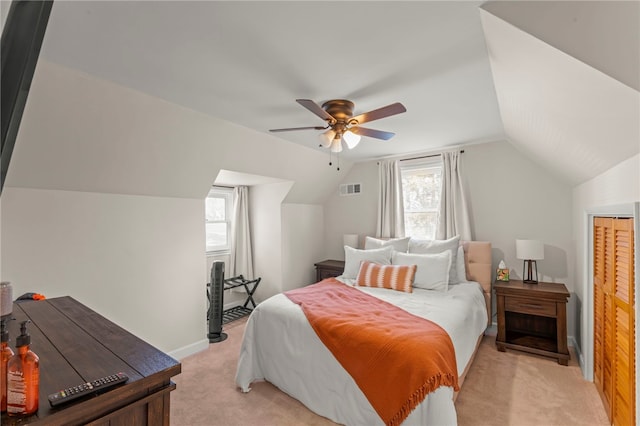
point(218, 206)
point(421, 184)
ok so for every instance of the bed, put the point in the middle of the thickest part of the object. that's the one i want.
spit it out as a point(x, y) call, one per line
point(281, 347)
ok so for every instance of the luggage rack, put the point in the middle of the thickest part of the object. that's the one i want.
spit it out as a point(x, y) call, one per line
point(235, 313)
point(238, 312)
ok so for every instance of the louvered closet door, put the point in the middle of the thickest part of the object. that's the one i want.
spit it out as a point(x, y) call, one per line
point(614, 345)
point(603, 325)
point(624, 391)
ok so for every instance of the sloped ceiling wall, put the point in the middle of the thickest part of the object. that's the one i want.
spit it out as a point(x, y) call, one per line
point(561, 111)
point(81, 133)
point(602, 34)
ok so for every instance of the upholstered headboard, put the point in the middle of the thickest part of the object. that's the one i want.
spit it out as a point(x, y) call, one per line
point(477, 259)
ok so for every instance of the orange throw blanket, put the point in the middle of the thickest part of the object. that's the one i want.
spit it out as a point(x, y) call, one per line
point(394, 357)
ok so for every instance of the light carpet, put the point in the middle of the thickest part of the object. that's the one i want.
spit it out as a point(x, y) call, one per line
point(501, 388)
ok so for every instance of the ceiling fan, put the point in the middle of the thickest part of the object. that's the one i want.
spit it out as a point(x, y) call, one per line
point(342, 125)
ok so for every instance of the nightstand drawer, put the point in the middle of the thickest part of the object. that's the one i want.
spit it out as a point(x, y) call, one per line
point(529, 306)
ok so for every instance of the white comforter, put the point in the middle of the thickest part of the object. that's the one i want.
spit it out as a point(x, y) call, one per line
point(280, 346)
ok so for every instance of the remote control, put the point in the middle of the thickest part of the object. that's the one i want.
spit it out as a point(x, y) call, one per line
point(75, 392)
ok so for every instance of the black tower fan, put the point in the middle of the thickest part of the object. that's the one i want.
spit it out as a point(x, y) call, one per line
point(216, 299)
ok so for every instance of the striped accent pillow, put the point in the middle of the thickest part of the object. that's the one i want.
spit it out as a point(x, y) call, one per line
point(394, 277)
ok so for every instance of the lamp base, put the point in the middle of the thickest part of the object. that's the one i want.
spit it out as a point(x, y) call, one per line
point(530, 266)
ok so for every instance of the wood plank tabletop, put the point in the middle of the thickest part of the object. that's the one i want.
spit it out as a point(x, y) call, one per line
point(76, 345)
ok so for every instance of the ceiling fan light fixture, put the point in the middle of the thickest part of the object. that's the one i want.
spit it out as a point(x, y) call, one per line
point(326, 138)
point(351, 139)
point(336, 146)
point(340, 124)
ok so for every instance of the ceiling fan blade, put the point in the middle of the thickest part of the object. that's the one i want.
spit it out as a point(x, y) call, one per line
point(298, 128)
point(316, 109)
point(378, 134)
point(379, 113)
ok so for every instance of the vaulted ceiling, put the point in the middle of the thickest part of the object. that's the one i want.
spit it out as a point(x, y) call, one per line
point(567, 77)
point(559, 80)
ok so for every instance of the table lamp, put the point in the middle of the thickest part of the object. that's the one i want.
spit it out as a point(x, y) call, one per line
point(529, 251)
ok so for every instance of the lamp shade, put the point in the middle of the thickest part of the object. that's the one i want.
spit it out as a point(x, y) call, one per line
point(336, 145)
point(350, 240)
point(529, 249)
point(326, 138)
point(351, 139)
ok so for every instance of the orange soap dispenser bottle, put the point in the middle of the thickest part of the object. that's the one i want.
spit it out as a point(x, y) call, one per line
point(5, 354)
point(23, 377)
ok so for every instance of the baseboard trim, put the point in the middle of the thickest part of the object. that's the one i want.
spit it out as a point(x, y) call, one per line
point(492, 330)
point(191, 349)
point(200, 345)
point(573, 342)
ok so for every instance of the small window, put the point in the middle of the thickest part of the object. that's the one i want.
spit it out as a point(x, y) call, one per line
point(421, 186)
point(218, 219)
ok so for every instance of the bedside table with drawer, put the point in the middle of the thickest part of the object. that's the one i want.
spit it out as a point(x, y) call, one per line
point(328, 269)
point(533, 318)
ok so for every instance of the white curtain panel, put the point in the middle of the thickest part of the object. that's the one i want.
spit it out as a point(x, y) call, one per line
point(390, 203)
point(454, 215)
point(241, 260)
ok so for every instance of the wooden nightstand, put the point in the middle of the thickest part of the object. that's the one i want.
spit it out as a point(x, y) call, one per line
point(533, 318)
point(328, 269)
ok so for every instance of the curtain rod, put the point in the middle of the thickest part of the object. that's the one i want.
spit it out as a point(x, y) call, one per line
point(426, 156)
point(222, 186)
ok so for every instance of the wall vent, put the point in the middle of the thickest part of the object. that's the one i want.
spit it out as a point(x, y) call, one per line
point(350, 188)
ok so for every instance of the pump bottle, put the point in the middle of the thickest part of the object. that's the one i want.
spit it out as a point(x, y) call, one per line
point(5, 354)
point(23, 377)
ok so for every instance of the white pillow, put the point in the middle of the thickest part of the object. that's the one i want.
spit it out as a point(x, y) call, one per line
point(438, 246)
point(461, 268)
point(433, 269)
point(353, 258)
point(398, 244)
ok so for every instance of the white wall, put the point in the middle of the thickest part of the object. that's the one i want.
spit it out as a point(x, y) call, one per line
point(302, 243)
point(82, 138)
point(510, 198)
point(352, 214)
point(513, 198)
point(619, 186)
point(266, 227)
point(138, 261)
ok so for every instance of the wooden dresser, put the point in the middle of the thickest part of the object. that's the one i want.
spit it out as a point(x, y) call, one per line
point(76, 345)
point(328, 269)
point(533, 318)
